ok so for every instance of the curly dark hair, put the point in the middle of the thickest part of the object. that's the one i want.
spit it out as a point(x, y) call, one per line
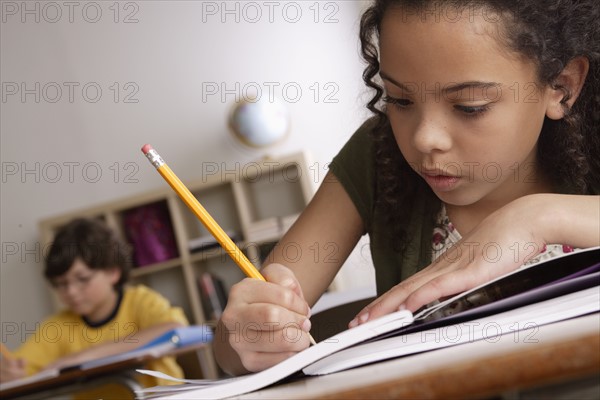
point(91, 241)
point(550, 33)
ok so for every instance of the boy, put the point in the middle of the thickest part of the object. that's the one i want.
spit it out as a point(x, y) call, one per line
point(88, 267)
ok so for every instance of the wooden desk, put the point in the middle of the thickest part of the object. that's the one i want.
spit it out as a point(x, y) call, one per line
point(70, 381)
point(555, 354)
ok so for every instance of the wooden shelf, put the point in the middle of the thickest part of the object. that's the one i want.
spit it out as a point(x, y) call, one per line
point(153, 268)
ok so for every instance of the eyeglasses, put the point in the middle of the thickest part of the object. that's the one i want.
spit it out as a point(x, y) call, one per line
point(79, 283)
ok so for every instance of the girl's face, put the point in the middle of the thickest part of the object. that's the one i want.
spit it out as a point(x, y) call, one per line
point(466, 112)
point(88, 292)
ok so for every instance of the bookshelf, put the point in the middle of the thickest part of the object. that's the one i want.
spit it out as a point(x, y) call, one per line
point(255, 205)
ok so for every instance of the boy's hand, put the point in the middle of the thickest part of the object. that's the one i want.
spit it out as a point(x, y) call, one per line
point(267, 322)
point(72, 360)
point(11, 369)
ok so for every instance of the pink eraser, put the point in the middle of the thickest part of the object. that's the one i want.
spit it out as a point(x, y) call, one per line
point(146, 148)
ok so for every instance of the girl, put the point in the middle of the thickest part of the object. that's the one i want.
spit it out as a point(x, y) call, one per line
point(482, 155)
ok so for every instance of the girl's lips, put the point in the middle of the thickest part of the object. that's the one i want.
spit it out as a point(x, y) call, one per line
point(442, 183)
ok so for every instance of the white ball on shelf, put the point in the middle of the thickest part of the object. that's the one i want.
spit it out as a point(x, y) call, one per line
point(259, 122)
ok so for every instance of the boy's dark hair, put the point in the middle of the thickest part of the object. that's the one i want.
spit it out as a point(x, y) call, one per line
point(91, 241)
point(549, 33)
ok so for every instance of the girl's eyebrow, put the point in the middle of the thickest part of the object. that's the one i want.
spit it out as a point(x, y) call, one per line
point(451, 88)
point(388, 78)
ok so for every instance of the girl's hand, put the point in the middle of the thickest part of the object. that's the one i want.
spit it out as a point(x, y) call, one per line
point(267, 322)
point(11, 369)
point(499, 244)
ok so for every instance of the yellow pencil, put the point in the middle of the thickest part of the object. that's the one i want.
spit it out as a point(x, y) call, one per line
point(5, 352)
point(207, 220)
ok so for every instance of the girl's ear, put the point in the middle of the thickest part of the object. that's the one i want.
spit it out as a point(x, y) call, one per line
point(567, 84)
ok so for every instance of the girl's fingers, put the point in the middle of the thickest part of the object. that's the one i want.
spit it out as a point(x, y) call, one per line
point(273, 337)
point(445, 285)
point(385, 304)
point(392, 300)
point(267, 317)
point(251, 291)
point(422, 288)
point(283, 276)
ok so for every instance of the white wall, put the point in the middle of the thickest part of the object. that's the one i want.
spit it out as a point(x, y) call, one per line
point(73, 149)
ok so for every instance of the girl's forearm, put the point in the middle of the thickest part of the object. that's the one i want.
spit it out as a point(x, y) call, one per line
point(568, 219)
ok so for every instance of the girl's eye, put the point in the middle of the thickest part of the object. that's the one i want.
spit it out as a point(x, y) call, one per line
point(399, 103)
point(473, 112)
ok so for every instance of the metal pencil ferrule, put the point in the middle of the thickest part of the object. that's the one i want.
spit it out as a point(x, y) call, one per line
point(155, 159)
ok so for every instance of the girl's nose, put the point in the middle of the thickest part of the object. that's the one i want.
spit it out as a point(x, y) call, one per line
point(431, 136)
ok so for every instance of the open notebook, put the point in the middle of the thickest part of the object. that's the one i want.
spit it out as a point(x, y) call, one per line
point(558, 289)
point(163, 344)
point(168, 341)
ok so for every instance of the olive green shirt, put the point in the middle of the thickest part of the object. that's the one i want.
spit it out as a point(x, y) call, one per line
point(354, 167)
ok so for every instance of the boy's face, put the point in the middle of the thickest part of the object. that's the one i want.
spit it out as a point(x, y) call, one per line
point(88, 292)
point(466, 111)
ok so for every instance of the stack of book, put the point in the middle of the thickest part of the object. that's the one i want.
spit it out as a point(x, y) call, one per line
point(212, 295)
point(270, 229)
point(208, 241)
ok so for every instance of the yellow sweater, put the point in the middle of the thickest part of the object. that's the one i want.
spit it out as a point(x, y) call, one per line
point(65, 333)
